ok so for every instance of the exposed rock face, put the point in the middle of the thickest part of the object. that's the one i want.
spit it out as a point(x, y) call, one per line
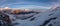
point(5, 20)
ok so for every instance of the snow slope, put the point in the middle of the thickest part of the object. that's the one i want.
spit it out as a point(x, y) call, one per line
point(48, 18)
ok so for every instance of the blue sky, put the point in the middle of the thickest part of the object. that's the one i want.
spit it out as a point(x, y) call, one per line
point(43, 4)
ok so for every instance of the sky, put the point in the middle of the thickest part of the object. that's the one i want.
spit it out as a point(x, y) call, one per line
point(32, 4)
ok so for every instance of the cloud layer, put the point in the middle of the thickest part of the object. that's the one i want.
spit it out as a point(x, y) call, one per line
point(28, 3)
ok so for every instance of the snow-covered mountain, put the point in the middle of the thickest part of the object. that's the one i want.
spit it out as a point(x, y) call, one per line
point(49, 18)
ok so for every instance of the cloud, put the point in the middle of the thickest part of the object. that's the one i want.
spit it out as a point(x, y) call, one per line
point(34, 7)
point(54, 3)
point(24, 3)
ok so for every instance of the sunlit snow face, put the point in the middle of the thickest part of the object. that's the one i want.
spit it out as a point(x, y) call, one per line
point(6, 7)
point(27, 9)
